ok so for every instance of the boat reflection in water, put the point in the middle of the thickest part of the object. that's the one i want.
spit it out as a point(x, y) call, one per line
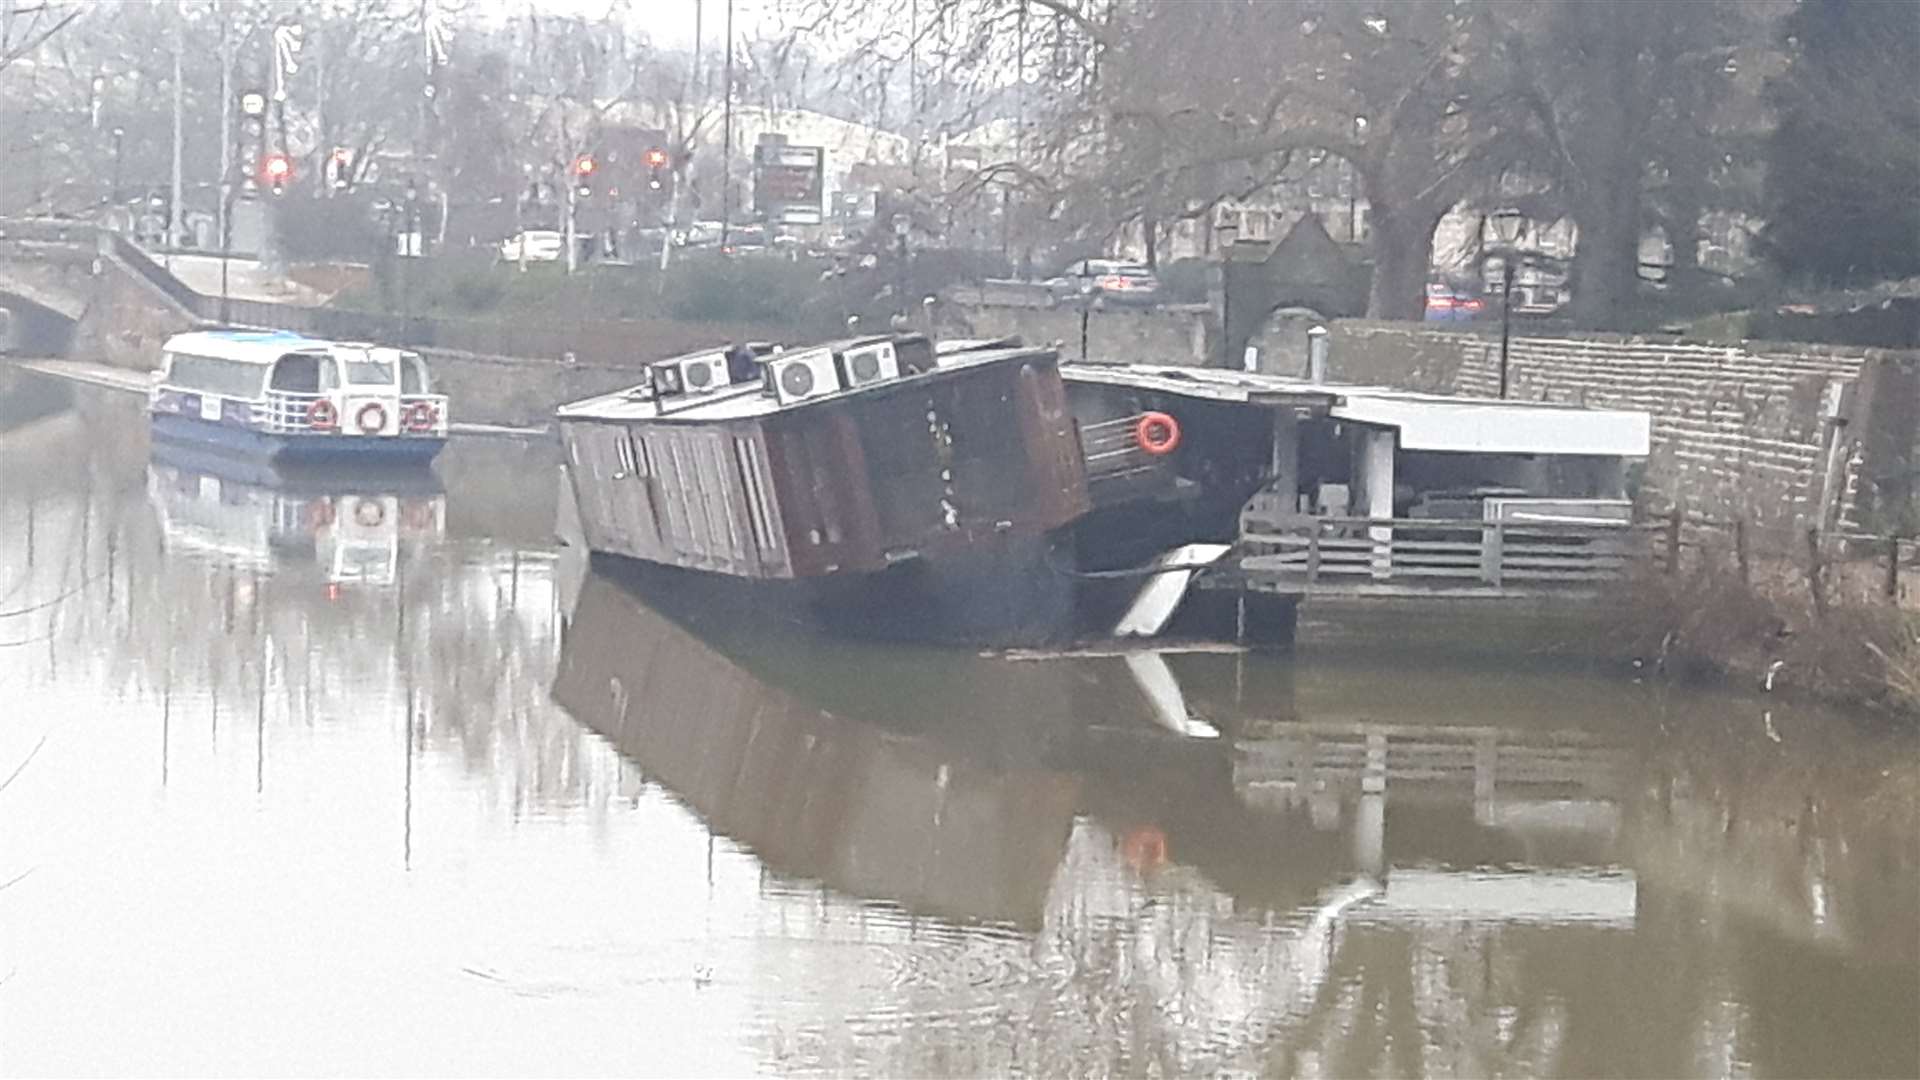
point(931, 824)
point(1234, 863)
point(347, 525)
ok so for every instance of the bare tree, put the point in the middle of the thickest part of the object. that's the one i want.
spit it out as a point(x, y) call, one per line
point(1605, 83)
point(1143, 112)
point(25, 26)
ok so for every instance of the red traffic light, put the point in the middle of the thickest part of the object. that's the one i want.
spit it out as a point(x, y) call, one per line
point(584, 165)
point(276, 170)
point(656, 158)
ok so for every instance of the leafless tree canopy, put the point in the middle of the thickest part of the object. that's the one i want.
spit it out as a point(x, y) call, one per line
point(1087, 121)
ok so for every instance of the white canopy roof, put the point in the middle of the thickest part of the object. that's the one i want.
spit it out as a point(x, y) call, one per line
point(1470, 425)
point(1425, 421)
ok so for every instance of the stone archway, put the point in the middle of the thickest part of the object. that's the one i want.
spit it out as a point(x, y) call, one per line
point(1281, 338)
point(1305, 270)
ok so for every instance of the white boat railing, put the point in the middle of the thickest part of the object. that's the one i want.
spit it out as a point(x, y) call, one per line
point(433, 421)
point(284, 411)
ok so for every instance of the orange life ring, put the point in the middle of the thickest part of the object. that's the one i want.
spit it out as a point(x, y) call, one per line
point(1144, 847)
point(369, 512)
point(371, 409)
point(421, 416)
point(1157, 433)
point(321, 414)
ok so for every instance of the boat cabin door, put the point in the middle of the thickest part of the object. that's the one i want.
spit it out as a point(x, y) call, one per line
point(369, 390)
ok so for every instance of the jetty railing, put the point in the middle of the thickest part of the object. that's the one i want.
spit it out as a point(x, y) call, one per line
point(1301, 553)
point(1299, 759)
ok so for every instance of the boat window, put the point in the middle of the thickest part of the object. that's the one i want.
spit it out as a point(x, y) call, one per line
point(329, 374)
point(368, 371)
point(297, 373)
point(413, 375)
point(213, 375)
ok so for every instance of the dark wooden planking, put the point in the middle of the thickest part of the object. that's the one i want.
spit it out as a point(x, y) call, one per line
point(924, 466)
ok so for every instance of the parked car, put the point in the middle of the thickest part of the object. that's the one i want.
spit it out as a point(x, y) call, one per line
point(1446, 303)
point(542, 245)
point(1101, 282)
point(698, 235)
point(744, 240)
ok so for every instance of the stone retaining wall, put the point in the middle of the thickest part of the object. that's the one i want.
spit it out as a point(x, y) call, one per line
point(1118, 336)
point(512, 390)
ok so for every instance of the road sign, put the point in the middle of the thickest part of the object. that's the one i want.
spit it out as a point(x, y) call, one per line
point(788, 183)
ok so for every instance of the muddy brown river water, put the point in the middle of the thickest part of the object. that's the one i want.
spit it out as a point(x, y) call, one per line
point(308, 777)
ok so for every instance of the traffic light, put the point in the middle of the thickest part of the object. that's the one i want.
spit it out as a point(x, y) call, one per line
point(276, 172)
point(583, 169)
point(656, 159)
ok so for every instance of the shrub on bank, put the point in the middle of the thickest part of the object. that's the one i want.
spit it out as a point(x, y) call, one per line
point(750, 290)
point(1708, 620)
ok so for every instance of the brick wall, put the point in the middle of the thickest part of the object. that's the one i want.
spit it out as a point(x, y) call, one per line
point(1737, 429)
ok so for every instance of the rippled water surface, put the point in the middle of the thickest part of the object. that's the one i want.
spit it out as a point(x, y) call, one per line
point(325, 775)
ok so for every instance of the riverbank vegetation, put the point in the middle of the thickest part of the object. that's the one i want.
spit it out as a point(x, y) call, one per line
point(798, 296)
point(1816, 624)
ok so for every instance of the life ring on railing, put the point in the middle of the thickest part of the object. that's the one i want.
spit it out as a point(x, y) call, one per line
point(421, 416)
point(320, 513)
point(369, 513)
point(1157, 433)
point(1144, 848)
point(372, 418)
point(321, 414)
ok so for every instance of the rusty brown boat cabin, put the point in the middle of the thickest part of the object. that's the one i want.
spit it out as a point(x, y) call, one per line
point(802, 462)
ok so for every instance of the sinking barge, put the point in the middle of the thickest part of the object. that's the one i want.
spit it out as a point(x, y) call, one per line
point(868, 479)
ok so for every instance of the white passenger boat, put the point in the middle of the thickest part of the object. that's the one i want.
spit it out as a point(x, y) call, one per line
point(282, 396)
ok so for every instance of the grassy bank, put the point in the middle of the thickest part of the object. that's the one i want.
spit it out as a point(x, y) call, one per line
point(1824, 631)
point(767, 291)
point(808, 296)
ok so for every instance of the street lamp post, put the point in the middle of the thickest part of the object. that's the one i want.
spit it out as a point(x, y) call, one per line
point(1227, 232)
point(1506, 229)
point(119, 134)
point(1353, 185)
point(901, 224)
point(409, 221)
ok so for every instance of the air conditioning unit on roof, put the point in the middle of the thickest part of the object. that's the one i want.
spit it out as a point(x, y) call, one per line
point(698, 374)
point(870, 364)
point(802, 375)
